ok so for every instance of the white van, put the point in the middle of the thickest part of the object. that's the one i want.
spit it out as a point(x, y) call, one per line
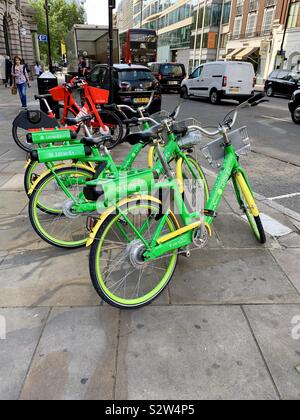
point(220, 80)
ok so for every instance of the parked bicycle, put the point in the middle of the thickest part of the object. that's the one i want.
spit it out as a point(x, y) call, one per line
point(136, 243)
point(59, 209)
point(105, 121)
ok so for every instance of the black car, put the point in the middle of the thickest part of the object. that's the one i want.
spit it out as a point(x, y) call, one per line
point(169, 75)
point(294, 106)
point(133, 85)
point(282, 82)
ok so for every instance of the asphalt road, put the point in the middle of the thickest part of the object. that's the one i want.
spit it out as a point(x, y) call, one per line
point(274, 164)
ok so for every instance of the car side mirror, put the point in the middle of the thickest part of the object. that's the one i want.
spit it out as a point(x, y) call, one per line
point(190, 76)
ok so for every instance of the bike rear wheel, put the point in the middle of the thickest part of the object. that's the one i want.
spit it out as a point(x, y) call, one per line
point(19, 136)
point(118, 271)
point(115, 125)
point(49, 203)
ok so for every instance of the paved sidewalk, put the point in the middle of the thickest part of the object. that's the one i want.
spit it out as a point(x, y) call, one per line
point(225, 328)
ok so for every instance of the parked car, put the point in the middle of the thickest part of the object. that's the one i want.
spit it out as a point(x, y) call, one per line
point(169, 75)
point(133, 85)
point(220, 80)
point(294, 106)
point(282, 82)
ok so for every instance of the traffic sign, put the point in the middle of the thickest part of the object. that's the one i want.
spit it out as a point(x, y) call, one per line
point(43, 38)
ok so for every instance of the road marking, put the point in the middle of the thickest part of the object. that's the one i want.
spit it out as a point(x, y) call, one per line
point(279, 197)
point(275, 118)
point(272, 226)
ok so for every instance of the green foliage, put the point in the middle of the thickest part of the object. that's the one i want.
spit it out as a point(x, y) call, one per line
point(62, 16)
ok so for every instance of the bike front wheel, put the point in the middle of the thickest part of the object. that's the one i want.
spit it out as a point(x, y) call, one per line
point(247, 203)
point(119, 273)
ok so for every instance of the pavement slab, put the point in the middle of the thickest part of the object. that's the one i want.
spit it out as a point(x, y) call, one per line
point(277, 331)
point(14, 202)
point(76, 362)
point(190, 353)
point(231, 276)
point(15, 182)
point(17, 234)
point(289, 261)
point(46, 277)
point(290, 241)
point(23, 331)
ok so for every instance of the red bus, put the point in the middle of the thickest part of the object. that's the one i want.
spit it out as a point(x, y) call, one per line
point(138, 46)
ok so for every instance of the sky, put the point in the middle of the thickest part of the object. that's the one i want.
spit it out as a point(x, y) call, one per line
point(97, 11)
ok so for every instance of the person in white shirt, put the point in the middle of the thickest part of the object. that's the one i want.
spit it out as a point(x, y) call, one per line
point(38, 69)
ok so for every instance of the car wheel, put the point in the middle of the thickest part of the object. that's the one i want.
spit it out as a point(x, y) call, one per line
point(296, 115)
point(214, 97)
point(269, 91)
point(184, 93)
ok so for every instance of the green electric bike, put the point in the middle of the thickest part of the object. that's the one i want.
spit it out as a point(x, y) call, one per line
point(64, 203)
point(136, 242)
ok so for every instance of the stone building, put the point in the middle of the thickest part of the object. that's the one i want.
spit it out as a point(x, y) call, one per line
point(18, 32)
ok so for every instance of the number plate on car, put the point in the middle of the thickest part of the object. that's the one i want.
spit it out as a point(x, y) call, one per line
point(173, 83)
point(234, 90)
point(141, 100)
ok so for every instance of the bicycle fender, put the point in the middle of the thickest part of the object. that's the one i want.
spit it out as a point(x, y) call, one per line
point(109, 211)
point(22, 120)
point(46, 173)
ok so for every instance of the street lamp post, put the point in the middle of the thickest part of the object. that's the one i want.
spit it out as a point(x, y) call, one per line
point(48, 35)
point(111, 7)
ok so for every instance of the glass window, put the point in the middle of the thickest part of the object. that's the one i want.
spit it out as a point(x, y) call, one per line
point(268, 21)
point(172, 70)
point(294, 15)
point(226, 12)
point(216, 10)
point(237, 27)
point(196, 73)
point(251, 24)
point(135, 76)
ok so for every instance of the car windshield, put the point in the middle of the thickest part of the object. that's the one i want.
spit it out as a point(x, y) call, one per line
point(172, 70)
point(135, 76)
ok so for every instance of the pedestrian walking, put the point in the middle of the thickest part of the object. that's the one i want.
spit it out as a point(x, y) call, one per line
point(20, 79)
point(8, 75)
point(38, 69)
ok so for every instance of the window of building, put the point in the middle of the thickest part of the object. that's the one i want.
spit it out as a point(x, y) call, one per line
point(251, 24)
point(237, 27)
point(226, 12)
point(268, 21)
point(239, 7)
point(294, 15)
point(253, 6)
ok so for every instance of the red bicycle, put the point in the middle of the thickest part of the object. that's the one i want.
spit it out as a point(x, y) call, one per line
point(106, 122)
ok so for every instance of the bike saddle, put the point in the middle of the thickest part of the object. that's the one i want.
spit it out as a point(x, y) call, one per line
point(95, 141)
point(40, 97)
point(145, 136)
point(75, 121)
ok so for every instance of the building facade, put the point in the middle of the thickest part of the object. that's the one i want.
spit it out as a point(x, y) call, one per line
point(263, 32)
point(18, 32)
point(291, 37)
point(124, 15)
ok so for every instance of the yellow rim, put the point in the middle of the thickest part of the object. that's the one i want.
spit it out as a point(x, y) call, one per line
point(247, 194)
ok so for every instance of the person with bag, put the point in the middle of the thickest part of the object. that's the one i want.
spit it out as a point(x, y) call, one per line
point(20, 80)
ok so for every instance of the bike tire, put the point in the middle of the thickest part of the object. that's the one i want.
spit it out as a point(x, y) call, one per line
point(151, 287)
point(248, 205)
point(41, 218)
point(115, 124)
